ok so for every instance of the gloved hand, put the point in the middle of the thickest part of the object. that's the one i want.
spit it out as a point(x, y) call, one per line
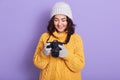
point(63, 52)
point(46, 50)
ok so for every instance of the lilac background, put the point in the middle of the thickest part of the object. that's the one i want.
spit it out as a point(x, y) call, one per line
point(23, 21)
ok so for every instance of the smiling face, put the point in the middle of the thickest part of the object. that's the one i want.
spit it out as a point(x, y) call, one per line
point(60, 22)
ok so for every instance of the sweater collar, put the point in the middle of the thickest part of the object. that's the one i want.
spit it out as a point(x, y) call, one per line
point(60, 35)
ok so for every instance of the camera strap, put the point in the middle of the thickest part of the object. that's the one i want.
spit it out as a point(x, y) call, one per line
point(66, 41)
point(48, 39)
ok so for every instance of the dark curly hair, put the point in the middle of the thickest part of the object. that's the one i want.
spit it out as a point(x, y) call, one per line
point(70, 28)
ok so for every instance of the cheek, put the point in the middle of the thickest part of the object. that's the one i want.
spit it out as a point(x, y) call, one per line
point(55, 23)
point(65, 24)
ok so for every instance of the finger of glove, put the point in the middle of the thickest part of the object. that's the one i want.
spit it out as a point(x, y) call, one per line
point(48, 49)
point(47, 52)
point(47, 44)
point(61, 46)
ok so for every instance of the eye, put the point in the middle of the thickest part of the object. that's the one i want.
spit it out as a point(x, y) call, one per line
point(55, 20)
point(64, 20)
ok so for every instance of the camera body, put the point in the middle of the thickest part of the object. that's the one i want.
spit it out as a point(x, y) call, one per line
point(55, 48)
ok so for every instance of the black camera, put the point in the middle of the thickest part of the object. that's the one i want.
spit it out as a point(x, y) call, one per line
point(55, 48)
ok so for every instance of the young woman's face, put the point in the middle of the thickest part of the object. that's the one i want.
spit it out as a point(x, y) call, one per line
point(60, 22)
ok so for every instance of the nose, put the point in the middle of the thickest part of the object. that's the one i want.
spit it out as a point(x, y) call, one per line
point(59, 23)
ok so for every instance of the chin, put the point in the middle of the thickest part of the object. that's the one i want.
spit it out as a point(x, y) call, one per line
point(60, 31)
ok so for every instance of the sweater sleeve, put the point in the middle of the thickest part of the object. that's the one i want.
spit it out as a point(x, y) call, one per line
point(40, 60)
point(75, 61)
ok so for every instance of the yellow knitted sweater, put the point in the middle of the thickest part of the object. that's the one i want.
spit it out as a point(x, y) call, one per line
point(67, 68)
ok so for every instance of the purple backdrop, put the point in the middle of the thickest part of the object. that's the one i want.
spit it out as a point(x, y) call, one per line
point(23, 21)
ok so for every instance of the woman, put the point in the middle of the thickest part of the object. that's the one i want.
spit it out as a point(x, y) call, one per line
point(59, 54)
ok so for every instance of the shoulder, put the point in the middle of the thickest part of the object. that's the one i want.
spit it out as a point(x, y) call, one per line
point(76, 36)
point(44, 35)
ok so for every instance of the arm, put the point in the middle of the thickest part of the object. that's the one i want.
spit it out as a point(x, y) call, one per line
point(40, 59)
point(75, 61)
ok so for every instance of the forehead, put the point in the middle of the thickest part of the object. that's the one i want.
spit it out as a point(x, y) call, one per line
point(60, 16)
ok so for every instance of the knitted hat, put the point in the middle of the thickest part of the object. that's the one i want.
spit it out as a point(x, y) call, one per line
point(61, 8)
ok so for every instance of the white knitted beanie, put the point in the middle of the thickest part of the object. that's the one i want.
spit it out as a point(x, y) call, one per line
point(61, 8)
